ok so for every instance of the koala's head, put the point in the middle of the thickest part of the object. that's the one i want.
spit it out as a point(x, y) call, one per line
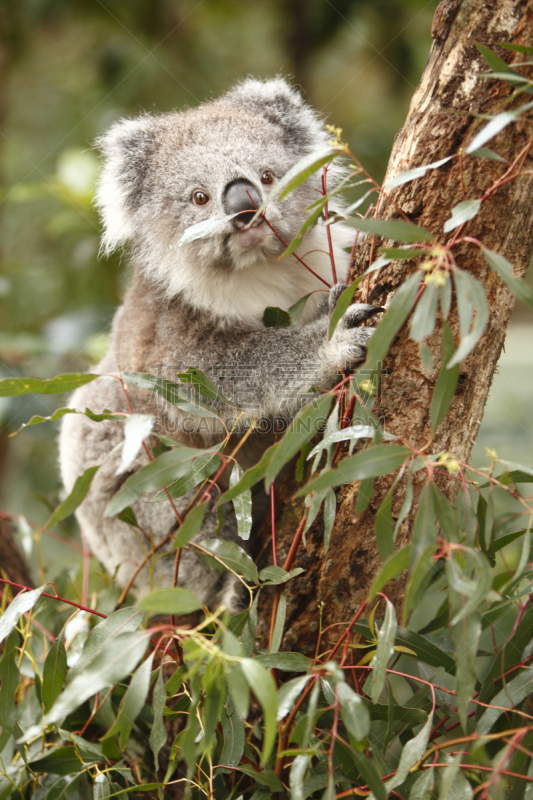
point(165, 173)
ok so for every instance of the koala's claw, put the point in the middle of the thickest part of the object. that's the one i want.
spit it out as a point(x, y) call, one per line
point(357, 313)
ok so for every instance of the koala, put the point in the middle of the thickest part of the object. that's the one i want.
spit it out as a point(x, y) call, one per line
point(201, 305)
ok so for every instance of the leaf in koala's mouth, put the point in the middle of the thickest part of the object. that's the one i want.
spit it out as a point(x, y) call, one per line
point(202, 229)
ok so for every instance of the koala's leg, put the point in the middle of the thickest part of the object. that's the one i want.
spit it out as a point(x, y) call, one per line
point(120, 547)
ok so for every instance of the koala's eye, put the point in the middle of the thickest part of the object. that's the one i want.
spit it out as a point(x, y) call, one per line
point(267, 177)
point(200, 198)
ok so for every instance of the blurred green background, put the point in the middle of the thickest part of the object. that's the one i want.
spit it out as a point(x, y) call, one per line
point(69, 68)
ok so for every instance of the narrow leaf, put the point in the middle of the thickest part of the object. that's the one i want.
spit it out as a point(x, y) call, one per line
point(132, 703)
point(12, 387)
point(163, 470)
point(191, 526)
point(173, 600)
point(158, 732)
point(446, 382)
point(9, 680)
point(54, 671)
point(377, 460)
point(276, 318)
point(417, 172)
point(469, 287)
point(75, 498)
point(462, 212)
point(393, 319)
point(425, 313)
point(384, 651)
point(262, 684)
point(392, 567)
point(204, 228)
point(136, 429)
point(506, 272)
point(354, 712)
point(242, 504)
point(398, 230)
point(19, 606)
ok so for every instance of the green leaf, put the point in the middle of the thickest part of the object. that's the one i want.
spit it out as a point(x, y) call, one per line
point(470, 293)
point(301, 171)
point(417, 172)
point(117, 659)
point(485, 152)
point(497, 124)
point(425, 313)
point(446, 381)
point(465, 634)
point(421, 572)
point(330, 509)
point(275, 575)
point(297, 774)
point(380, 459)
point(124, 620)
point(277, 634)
point(423, 786)
point(286, 662)
point(392, 567)
point(412, 752)
point(132, 702)
point(297, 309)
point(496, 63)
point(242, 504)
point(19, 606)
point(276, 318)
point(288, 693)
point(303, 427)
point(518, 48)
point(506, 272)
point(354, 712)
point(204, 228)
point(9, 681)
point(12, 387)
point(136, 429)
point(61, 761)
point(462, 212)
point(384, 651)
point(309, 223)
point(173, 600)
point(191, 525)
point(509, 655)
point(201, 384)
point(54, 671)
point(366, 769)
point(164, 469)
point(61, 412)
point(508, 538)
point(393, 319)
point(233, 735)
point(364, 495)
point(158, 732)
point(202, 468)
point(174, 393)
point(384, 529)
point(343, 303)
point(264, 777)
point(250, 477)
point(262, 684)
point(398, 230)
point(75, 498)
point(509, 697)
point(231, 555)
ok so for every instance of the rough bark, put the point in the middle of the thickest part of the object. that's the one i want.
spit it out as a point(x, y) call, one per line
point(442, 118)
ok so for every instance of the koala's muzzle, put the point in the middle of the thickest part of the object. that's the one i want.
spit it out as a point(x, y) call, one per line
point(242, 198)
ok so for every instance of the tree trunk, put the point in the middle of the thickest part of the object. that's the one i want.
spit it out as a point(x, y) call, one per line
point(442, 119)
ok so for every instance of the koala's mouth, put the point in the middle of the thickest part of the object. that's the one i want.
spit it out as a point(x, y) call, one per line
point(250, 235)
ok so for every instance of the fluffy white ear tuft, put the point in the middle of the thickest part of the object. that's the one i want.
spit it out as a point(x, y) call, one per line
point(281, 104)
point(126, 147)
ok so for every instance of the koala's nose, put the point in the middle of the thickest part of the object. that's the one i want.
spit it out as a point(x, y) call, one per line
point(241, 198)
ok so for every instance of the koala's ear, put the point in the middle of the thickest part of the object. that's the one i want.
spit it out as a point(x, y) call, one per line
point(284, 106)
point(127, 149)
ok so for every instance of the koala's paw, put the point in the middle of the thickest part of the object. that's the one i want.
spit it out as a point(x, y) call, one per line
point(348, 344)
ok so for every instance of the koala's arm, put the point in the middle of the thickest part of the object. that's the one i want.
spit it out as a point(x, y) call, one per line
point(269, 372)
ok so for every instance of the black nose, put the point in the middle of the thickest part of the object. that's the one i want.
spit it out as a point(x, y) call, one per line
point(241, 198)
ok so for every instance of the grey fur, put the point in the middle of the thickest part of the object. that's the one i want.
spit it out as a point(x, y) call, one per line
point(202, 304)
